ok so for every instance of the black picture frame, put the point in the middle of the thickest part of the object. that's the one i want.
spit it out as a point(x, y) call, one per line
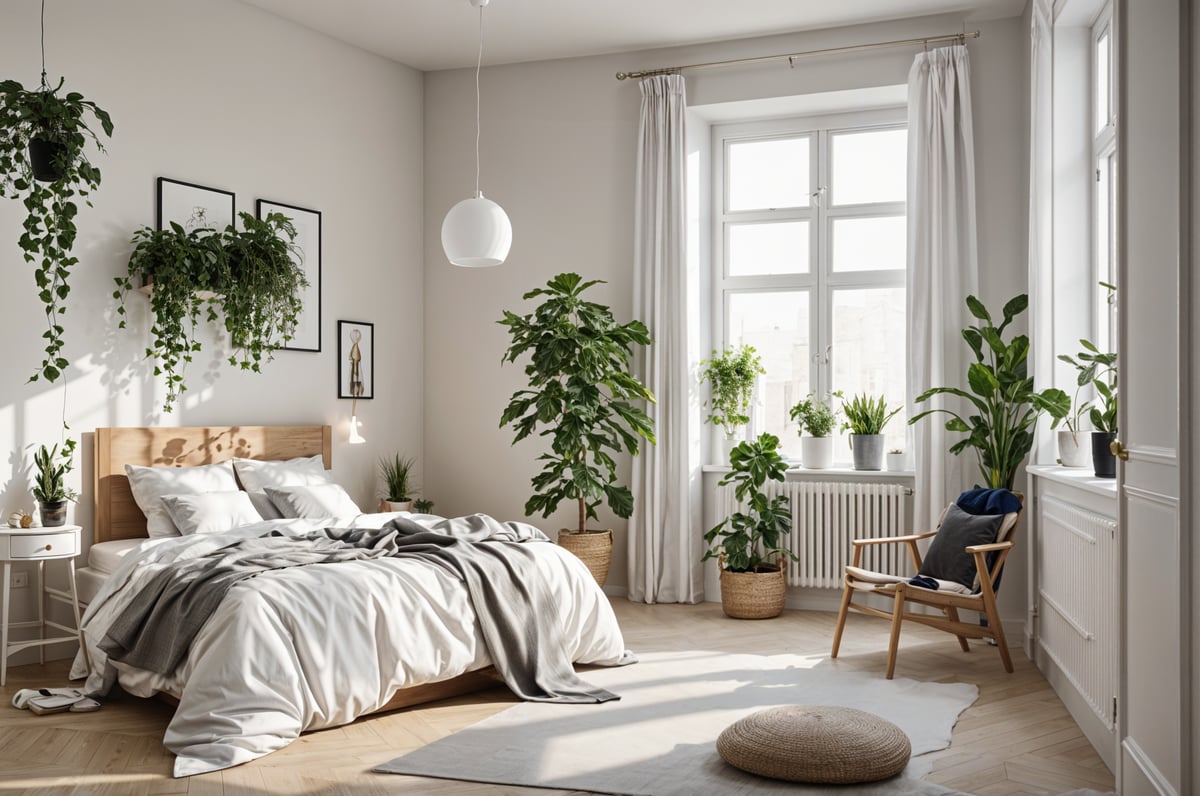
point(366, 359)
point(179, 201)
point(308, 241)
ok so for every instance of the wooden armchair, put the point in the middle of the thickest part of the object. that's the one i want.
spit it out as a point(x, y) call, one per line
point(898, 588)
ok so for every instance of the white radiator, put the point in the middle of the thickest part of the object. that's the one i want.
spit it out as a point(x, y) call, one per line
point(1078, 615)
point(826, 515)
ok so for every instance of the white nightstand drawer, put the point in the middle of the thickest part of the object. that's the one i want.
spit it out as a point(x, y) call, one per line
point(43, 545)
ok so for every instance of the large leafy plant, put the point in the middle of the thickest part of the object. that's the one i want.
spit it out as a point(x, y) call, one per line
point(56, 123)
point(731, 376)
point(1004, 404)
point(250, 276)
point(581, 395)
point(750, 540)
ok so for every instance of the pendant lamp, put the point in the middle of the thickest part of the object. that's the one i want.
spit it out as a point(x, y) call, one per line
point(476, 233)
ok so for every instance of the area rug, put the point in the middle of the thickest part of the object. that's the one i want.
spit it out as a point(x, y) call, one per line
point(659, 739)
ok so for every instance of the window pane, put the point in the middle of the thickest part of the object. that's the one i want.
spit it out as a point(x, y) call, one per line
point(869, 244)
point(768, 174)
point(869, 352)
point(869, 166)
point(1102, 81)
point(776, 324)
point(756, 249)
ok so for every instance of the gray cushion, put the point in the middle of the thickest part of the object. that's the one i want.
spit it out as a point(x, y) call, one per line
point(946, 559)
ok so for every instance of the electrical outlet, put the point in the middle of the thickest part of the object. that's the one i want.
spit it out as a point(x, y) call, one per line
point(20, 580)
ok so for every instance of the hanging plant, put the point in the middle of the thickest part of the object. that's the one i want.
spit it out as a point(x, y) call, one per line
point(263, 297)
point(44, 163)
point(248, 276)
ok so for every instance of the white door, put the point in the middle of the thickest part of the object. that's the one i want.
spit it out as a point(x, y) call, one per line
point(1153, 710)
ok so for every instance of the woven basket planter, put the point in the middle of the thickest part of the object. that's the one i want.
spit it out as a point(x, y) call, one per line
point(593, 548)
point(753, 595)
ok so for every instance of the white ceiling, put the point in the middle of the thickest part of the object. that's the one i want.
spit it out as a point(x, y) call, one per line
point(441, 34)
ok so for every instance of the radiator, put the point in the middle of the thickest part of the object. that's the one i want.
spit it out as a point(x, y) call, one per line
point(826, 515)
point(1078, 615)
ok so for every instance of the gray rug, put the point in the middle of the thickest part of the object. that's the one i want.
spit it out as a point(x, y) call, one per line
point(658, 740)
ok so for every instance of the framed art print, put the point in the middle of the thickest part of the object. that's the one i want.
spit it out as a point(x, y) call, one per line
point(356, 359)
point(307, 336)
point(194, 206)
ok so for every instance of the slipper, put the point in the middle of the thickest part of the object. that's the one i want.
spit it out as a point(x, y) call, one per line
point(85, 705)
point(22, 698)
point(55, 703)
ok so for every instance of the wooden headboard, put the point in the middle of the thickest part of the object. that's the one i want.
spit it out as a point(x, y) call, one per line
point(116, 514)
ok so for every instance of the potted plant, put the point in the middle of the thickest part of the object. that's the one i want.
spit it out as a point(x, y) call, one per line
point(731, 376)
point(1098, 370)
point(818, 419)
point(865, 418)
point(423, 506)
point(897, 460)
point(249, 276)
point(397, 487)
point(1071, 452)
point(583, 397)
point(749, 543)
point(44, 163)
point(50, 484)
point(1004, 405)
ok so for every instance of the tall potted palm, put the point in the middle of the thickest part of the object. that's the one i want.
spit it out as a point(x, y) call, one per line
point(583, 398)
point(1004, 405)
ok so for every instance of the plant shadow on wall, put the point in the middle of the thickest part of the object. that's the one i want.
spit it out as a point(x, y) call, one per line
point(247, 280)
point(584, 399)
point(43, 162)
point(1004, 404)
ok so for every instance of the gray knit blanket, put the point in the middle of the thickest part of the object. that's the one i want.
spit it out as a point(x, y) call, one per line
point(520, 624)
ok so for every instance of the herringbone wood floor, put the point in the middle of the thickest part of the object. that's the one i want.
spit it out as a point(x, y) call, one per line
point(1016, 739)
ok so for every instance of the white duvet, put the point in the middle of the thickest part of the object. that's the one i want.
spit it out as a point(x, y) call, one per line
point(316, 646)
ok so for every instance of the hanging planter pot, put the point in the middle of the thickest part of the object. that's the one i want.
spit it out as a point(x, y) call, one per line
point(44, 157)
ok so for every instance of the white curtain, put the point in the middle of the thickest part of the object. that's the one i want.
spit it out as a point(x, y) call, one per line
point(664, 548)
point(1041, 216)
point(942, 265)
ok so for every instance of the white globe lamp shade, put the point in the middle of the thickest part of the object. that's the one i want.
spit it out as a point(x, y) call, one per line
point(476, 233)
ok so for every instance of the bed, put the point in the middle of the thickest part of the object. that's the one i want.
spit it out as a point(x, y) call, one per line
point(305, 648)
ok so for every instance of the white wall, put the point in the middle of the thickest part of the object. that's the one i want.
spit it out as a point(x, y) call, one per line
point(221, 94)
point(558, 154)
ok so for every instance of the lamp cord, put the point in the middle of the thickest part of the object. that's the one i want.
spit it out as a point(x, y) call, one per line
point(44, 84)
point(478, 65)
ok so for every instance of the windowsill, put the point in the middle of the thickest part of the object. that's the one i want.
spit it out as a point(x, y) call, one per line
point(837, 471)
point(1081, 477)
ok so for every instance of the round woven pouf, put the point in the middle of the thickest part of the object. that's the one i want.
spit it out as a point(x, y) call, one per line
point(816, 743)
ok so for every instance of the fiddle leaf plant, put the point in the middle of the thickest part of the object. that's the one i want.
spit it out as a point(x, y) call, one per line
point(54, 125)
point(581, 397)
point(751, 539)
point(1004, 404)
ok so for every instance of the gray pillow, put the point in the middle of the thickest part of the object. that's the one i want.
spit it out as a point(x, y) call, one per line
point(946, 559)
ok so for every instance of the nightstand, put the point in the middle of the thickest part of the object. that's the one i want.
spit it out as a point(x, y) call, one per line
point(40, 545)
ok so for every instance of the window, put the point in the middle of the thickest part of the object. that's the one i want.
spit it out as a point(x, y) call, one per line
point(1104, 157)
point(811, 241)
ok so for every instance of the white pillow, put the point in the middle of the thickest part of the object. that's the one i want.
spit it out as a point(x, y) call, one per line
point(211, 512)
point(314, 502)
point(256, 475)
point(149, 484)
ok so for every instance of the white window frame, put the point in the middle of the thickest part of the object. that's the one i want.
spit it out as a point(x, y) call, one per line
point(1104, 150)
point(821, 281)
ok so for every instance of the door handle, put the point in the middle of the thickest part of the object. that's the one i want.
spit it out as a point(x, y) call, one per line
point(1119, 450)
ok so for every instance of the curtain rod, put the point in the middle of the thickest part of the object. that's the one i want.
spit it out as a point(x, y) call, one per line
point(670, 70)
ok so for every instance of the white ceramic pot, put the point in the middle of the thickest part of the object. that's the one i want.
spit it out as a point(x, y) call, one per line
point(723, 447)
point(386, 506)
point(816, 453)
point(897, 462)
point(1074, 449)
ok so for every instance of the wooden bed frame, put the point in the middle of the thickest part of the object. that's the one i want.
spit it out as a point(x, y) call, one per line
point(117, 516)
